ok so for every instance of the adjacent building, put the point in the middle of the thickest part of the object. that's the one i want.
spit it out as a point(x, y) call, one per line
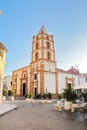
point(70, 78)
point(7, 83)
point(3, 51)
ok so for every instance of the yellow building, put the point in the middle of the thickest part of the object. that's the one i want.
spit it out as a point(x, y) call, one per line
point(3, 51)
point(41, 76)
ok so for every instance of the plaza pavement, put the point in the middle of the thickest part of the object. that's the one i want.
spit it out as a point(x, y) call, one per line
point(38, 116)
point(6, 107)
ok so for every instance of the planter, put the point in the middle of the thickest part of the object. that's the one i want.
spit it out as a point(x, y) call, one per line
point(43, 101)
point(3, 98)
point(12, 98)
point(29, 99)
point(49, 101)
point(67, 105)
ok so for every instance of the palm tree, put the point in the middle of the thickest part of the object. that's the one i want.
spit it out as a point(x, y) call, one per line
point(69, 94)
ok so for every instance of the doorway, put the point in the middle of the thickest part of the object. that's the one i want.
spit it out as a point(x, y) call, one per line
point(24, 89)
point(35, 91)
point(9, 92)
point(69, 85)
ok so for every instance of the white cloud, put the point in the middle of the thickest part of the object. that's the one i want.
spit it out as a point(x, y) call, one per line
point(83, 67)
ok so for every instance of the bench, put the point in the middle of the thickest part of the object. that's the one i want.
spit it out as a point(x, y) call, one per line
point(77, 106)
point(58, 107)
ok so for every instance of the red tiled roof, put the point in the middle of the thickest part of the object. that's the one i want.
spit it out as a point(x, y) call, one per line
point(73, 70)
point(69, 71)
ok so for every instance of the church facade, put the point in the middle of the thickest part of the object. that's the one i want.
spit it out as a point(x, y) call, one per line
point(42, 75)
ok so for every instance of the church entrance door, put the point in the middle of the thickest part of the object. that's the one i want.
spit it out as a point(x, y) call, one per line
point(35, 91)
point(24, 89)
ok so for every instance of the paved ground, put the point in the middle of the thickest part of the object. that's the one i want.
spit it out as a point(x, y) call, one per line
point(37, 116)
point(6, 107)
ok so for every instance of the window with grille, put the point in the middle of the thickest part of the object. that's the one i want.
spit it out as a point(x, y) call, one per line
point(37, 46)
point(35, 76)
point(36, 56)
point(47, 38)
point(48, 55)
point(48, 45)
point(24, 75)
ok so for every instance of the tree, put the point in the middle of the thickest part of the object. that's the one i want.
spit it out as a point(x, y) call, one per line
point(69, 94)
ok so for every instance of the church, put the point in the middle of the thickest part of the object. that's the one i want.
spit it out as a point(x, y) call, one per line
point(42, 75)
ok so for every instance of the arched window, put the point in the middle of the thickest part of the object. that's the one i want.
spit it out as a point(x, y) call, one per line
point(37, 38)
point(36, 56)
point(48, 45)
point(35, 76)
point(47, 38)
point(48, 55)
point(37, 45)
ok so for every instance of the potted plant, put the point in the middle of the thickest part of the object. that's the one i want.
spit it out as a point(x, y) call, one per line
point(44, 96)
point(70, 95)
point(49, 96)
point(59, 96)
point(4, 94)
point(29, 97)
point(12, 95)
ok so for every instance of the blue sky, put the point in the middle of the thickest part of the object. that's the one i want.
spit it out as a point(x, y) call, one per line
point(65, 19)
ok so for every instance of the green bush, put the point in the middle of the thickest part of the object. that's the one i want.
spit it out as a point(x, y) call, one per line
point(60, 96)
point(49, 95)
point(30, 95)
point(12, 92)
point(4, 92)
point(44, 96)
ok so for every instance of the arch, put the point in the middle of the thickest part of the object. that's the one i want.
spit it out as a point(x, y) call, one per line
point(48, 55)
point(24, 73)
point(48, 45)
point(37, 45)
point(47, 38)
point(37, 38)
point(36, 56)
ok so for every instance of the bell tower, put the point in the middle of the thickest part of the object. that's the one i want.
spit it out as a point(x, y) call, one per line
point(43, 64)
point(43, 47)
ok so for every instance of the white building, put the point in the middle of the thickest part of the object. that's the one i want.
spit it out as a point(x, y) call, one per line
point(70, 78)
point(7, 83)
